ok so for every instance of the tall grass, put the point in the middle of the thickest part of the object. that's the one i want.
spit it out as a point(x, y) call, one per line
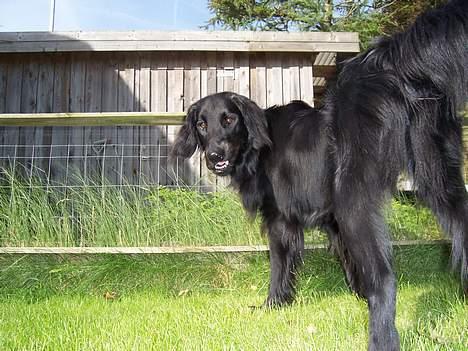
point(90, 215)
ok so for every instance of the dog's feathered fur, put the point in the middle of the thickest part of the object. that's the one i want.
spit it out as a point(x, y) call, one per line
point(394, 108)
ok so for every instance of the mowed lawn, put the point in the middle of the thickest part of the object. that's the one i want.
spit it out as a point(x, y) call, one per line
point(203, 302)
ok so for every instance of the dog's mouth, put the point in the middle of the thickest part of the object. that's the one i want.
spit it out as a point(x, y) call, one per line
point(222, 166)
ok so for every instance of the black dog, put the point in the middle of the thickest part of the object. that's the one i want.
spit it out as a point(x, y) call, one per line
point(393, 109)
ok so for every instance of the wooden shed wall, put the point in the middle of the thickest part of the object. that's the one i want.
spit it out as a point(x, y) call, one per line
point(133, 81)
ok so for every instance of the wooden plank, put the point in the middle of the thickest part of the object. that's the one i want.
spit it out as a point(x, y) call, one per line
point(14, 81)
point(12, 104)
point(192, 93)
point(92, 138)
point(242, 74)
point(144, 99)
point(294, 78)
point(229, 36)
point(307, 79)
point(3, 84)
point(274, 80)
point(158, 138)
point(60, 103)
point(258, 79)
point(181, 250)
point(286, 79)
point(180, 41)
point(110, 89)
point(26, 147)
point(77, 104)
point(175, 103)
point(4, 164)
point(43, 135)
point(219, 46)
point(135, 150)
point(125, 135)
point(92, 119)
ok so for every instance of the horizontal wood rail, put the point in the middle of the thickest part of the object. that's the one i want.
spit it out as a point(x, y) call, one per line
point(104, 119)
point(237, 41)
point(91, 119)
point(178, 249)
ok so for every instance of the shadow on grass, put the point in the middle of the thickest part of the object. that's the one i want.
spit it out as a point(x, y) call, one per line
point(36, 277)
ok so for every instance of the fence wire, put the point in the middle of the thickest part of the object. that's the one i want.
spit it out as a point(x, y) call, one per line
point(102, 166)
point(108, 194)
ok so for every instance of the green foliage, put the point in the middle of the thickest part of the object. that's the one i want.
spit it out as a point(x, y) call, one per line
point(370, 18)
point(400, 14)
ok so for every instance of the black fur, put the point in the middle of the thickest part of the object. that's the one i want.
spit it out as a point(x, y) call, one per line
point(394, 108)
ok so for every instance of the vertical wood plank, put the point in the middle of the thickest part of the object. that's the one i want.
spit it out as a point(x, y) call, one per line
point(306, 79)
point(258, 79)
point(242, 74)
point(14, 67)
point(274, 80)
point(286, 82)
point(126, 104)
point(158, 135)
point(3, 84)
point(175, 103)
point(94, 148)
point(192, 93)
point(135, 149)
point(294, 80)
point(28, 105)
point(229, 71)
point(77, 100)
point(60, 135)
point(109, 101)
point(43, 135)
point(3, 149)
point(145, 157)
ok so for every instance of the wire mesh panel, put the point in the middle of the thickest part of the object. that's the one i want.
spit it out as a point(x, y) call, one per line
point(99, 165)
point(80, 195)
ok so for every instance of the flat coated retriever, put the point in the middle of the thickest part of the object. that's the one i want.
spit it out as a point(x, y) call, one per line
point(393, 109)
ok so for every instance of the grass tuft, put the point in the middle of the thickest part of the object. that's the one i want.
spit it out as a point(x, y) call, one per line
point(89, 215)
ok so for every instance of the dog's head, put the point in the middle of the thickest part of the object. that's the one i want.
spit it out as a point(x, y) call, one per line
point(227, 127)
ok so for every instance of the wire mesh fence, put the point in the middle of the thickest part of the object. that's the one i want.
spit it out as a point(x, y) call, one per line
point(113, 195)
point(101, 165)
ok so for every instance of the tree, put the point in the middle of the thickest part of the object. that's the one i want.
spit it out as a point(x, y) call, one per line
point(400, 14)
point(370, 18)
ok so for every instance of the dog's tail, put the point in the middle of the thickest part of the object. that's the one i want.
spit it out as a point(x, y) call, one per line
point(460, 251)
point(455, 224)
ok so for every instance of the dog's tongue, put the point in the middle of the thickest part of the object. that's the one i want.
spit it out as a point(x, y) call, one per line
point(221, 165)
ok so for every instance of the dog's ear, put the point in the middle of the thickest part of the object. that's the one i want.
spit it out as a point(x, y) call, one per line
point(254, 120)
point(186, 142)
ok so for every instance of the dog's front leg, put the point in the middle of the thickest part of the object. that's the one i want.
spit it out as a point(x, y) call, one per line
point(286, 241)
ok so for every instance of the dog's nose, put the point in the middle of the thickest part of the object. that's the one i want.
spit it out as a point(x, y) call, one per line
point(216, 157)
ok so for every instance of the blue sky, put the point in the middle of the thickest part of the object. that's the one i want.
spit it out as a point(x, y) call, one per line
point(89, 15)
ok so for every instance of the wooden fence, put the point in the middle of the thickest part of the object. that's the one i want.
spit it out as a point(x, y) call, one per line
point(128, 72)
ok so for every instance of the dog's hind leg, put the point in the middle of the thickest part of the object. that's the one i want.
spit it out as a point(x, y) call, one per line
point(286, 240)
point(338, 249)
point(440, 185)
point(365, 252)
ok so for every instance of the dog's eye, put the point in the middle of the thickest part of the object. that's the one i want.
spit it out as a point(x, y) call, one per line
point(202, 125)
point(228, 120)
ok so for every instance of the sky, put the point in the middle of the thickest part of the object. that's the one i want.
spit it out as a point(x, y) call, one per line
point(94, 15)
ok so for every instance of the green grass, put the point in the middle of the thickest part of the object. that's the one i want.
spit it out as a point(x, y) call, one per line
point(201, 302)
point(93, 216)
